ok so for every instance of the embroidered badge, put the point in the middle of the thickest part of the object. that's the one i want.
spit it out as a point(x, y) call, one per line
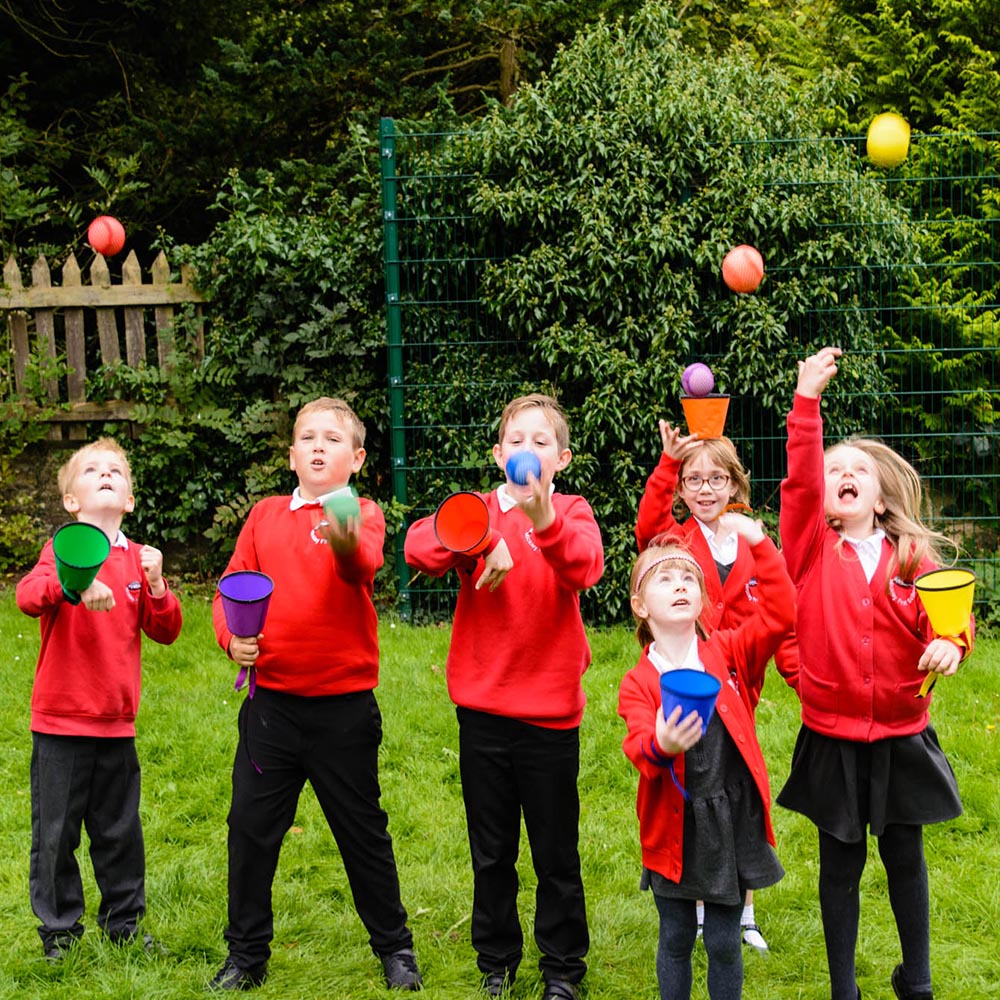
point(898, 581)
point(528, 537)
point(751, 596)
point(132, 589)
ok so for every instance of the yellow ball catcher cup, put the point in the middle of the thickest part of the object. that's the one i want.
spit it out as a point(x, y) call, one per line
point(947, 596)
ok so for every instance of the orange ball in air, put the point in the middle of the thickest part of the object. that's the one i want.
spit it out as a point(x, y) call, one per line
point(743, 268)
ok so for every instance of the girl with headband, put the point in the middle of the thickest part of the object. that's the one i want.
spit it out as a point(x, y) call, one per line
point(703, 799)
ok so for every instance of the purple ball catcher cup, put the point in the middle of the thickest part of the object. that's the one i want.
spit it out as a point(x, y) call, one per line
point(693, 690)
point(245, 597)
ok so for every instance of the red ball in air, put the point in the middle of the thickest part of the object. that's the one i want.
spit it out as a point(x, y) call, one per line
point(106, 235)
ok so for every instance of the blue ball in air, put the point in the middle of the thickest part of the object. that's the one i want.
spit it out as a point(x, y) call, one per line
point(520, 464)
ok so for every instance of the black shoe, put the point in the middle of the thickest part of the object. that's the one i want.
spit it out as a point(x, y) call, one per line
point(401, 972)
point(498, 983)
point(560, 989)
point(234, 977)
point(149, 943)
point(903, 992)
point(58, 948)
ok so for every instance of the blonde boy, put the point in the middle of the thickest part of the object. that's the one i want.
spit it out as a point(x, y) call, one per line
point(84, 767)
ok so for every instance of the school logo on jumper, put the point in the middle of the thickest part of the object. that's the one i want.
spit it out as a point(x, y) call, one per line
point(896, 584)
point(132, 589)
point(529, 538)
point(751, 590)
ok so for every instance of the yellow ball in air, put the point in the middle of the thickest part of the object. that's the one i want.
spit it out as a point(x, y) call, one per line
point(888, 140)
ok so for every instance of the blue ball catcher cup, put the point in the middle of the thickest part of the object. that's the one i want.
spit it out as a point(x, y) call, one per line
point(693, 690)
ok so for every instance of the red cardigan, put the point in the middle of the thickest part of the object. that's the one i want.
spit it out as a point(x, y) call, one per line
point(321, 632)
point(520, 651)
point(89, 675)
point(859, 642)
point(733, 656)
point(730, 603)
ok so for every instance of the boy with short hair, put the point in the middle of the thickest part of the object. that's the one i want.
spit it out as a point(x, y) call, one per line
point(311, 713)
point(518, 653)
point(84, 767)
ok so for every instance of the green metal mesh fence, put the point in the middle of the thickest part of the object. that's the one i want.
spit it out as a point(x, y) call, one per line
point(928, 322)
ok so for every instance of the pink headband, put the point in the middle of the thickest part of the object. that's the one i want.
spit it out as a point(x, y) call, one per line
point(682, 556)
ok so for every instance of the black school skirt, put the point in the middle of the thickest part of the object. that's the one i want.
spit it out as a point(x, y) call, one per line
point(843, 786)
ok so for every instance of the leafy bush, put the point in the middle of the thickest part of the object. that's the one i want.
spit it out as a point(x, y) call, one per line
point(607, 196)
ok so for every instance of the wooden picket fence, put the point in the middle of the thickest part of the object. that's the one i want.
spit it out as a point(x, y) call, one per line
point(77, 321)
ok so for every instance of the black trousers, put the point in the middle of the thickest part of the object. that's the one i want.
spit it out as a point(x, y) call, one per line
point(509, 767)
point(331, 742)
point(94, 782)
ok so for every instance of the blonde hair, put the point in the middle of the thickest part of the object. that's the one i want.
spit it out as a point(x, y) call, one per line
point(722, 451)
point(664, 548)
point(330, 404)
point(553, 413)
point(902, 494)
point(70, 469)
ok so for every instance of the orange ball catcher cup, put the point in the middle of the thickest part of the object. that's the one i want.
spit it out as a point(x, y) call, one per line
point(706, 415)
point(462, 523)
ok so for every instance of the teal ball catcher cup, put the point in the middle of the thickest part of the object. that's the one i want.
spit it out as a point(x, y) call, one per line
point(693, 690)
point(80, 550)
point(245, 594)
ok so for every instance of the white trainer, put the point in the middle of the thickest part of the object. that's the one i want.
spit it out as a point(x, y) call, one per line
point(753, 937)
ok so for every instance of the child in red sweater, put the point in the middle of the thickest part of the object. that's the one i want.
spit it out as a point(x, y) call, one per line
point(699, 481)
point(311, 714)
point(518, 653)
point(866, 754)
point(703, 800)
point(84, 767)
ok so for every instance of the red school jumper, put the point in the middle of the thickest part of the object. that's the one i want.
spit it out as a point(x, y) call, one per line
point(733, 656)
point(89, 675)
point(520, 651)
point(321, 632)
point(729, 604)
point(859, 642)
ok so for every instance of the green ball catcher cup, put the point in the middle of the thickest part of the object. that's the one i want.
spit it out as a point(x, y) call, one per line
point(80, 550)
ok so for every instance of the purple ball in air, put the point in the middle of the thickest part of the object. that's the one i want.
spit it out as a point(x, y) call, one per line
point(520, 464)
point(700, 380)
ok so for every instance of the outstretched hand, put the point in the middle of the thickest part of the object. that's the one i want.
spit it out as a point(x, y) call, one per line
point(674, 445)
point(816, 371)
point(940, 656)
point(674, 735)
point(746, 527)
point(496, 566)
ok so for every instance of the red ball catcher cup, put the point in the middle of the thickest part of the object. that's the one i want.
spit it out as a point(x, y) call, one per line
point(462, 523)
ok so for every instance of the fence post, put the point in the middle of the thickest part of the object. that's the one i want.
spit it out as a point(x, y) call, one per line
point(394, 339)
point(17, 323)
point(76, 350)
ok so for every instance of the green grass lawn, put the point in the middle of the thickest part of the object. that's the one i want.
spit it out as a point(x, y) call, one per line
point(187, 733)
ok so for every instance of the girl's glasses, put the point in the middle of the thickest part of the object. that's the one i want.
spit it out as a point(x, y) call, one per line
point(695, 482)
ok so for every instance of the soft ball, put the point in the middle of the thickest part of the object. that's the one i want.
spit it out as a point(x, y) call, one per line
point(888, 140)
point(520, 464)
point(106, 235)
point(342, 506)
point(743, 268)
point(700, 381)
